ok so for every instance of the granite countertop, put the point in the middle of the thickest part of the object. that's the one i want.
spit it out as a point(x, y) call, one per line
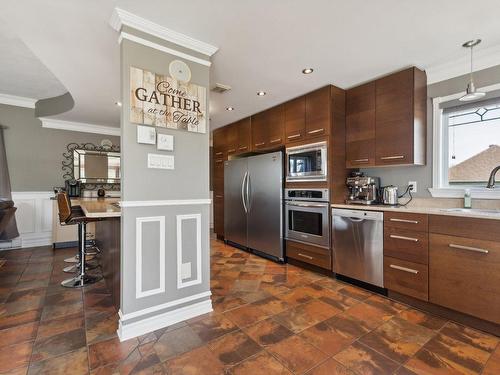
point(99, 207)
point(480, 212)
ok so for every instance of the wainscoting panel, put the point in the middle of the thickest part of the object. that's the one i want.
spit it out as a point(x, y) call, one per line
point(34, 217)
point(184, 270)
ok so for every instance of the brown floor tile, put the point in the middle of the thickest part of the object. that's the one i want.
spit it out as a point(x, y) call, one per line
point(443, 354)
point(18, 334)
point(330, 283)
point(224, 303)
point(355, 292)
point(30, 295)
point(52, 346)
point(257, 364)
point(234, 347)
point(296, 296)
point(371, 316)
point(64, 296)
point(398, 339)
point(272, 305)
point(51, 312)
point(364, 360)
point(267, 332)
point(493, 365)
point(7, 321)
point(58, 326)
point(17, 371)
point(178, 341)
point(326, 338)
point(110, 351)
point(101, 327)
point(330, 367)
point(74, 363)
point(306, 315)
point(212, 327)
point(15, 356)
point(470, 336)
point(426, 320)
point(340, 301)
point(196, 362)
point(297, 354)
point(246, 315)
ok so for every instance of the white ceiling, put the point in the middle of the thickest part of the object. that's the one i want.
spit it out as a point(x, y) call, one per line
point(263, 44)
point(22, 73)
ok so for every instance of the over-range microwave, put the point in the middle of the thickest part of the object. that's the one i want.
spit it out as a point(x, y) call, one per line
point(307, 162)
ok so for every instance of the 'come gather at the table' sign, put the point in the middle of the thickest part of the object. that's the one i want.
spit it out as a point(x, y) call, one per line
point(167, 102)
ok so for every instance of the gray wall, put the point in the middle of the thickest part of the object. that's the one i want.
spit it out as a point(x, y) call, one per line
point(189, 180)
point(400, 176)
point(34, 154)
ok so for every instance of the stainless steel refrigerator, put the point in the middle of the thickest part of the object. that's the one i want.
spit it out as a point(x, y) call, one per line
point(253, 211)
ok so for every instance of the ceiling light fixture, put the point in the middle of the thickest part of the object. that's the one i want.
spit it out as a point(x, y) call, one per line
point(307, 70)
point(119, 104)
point(229, 108)
point(470, 91)
point(261, 93)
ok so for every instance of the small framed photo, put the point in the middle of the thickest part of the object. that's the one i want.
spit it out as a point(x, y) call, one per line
point(146, 135)
point(165, 142)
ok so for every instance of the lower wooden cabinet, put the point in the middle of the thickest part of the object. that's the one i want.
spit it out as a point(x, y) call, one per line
point(219, 214)
point(407, 278)
point(316, 256)
point(464, 275)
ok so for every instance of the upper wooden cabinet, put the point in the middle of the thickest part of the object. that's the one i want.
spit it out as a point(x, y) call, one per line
point(400, 118)
point(244, 135)
point(231, 146)
point(360, 126)
point(386, 121)
point(318, 112)
point(268, 128)
point(295, 119)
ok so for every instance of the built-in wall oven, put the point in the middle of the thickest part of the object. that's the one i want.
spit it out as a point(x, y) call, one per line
point(307, 162)
point(307, 216)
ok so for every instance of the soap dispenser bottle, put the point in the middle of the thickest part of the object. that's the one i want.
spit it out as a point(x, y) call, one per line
point(467, 199)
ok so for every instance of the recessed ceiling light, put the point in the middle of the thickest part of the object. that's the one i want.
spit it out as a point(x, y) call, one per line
point(307, 70)
point(119, 104)
point(261, 93)
point(229, 108)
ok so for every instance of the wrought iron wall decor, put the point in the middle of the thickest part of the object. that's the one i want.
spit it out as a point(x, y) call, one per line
point(68, 164)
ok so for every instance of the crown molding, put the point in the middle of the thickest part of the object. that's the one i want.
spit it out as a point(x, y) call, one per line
point(120, 18)
point(50, 123)
point(18, 101)
point(460, 65)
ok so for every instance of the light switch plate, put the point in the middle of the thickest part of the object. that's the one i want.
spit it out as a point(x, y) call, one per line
point(186, 271)
point(157, 161)
point(165, 142)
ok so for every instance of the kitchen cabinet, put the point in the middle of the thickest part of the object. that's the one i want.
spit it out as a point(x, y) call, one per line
point(219, 214)
point(295, 119)
point(268, 128)
point(406, 253)
point(464, 265)
point(318, 112)
point(231, 144)
point(244, 135)
point(219, 141)
point(400, 118)
point(317, 256)
point(360, 126)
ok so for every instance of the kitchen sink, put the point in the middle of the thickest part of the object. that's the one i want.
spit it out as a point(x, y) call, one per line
point(474, 211)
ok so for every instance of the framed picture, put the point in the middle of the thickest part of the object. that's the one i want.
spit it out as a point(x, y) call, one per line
point(165, 142)
point(146, 135)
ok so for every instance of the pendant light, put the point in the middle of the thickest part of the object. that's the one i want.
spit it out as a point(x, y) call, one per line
point(470, 91)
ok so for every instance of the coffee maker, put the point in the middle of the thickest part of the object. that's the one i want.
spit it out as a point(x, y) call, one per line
point(363, 189)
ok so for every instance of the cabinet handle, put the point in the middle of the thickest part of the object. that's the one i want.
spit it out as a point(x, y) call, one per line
point(275, 140)
point(392, 157)
point(404, 238)
point(315, 131)
point(242, 148)
point(404, 269)
point(218, 153)
point(361, 160)
point(219, 161)
point(294, 136)
point(231, 151)
point(469, 248)
point(219, 196)
point(404, 221)
point(305, 256)
point(260, 144)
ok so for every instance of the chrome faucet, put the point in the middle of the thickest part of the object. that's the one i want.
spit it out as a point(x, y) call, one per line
point(491, 180)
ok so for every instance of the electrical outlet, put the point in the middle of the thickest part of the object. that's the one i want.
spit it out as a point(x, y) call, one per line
point(414, 188)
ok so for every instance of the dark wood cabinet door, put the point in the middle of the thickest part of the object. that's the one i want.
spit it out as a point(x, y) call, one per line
point(394, 118)
point(360, 126)
point(295, 119)
point(244, 135)
point(276, 126)
point(318, 112)
point(259, 131)
point(232, 139)
point(219, 214)
point(219, 142)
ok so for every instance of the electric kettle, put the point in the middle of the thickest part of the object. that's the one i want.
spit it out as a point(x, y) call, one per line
point(390, 195)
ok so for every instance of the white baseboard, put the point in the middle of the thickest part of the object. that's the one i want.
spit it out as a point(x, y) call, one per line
point(36, 239)
point(141, 327)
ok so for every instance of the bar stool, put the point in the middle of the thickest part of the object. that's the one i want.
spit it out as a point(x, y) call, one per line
point(75, 216)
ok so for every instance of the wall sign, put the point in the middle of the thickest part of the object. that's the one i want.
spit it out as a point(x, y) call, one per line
point(168, 101)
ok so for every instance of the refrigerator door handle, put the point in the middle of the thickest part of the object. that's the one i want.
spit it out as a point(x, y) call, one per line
point(243, 192)
point(248, 192)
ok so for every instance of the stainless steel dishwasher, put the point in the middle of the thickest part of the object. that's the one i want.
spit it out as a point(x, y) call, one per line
point(358, 245)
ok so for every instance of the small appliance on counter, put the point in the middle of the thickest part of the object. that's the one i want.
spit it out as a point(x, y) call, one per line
point(362, 189)
point(390, 195)
point(73, 187)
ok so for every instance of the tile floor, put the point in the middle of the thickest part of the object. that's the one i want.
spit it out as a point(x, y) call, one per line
point(267, 319)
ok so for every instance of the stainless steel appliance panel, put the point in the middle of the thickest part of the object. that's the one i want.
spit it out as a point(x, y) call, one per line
point(235, 208)
point(307, 222)
point(307, 162)
point(265, 187)
point(357, 242)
